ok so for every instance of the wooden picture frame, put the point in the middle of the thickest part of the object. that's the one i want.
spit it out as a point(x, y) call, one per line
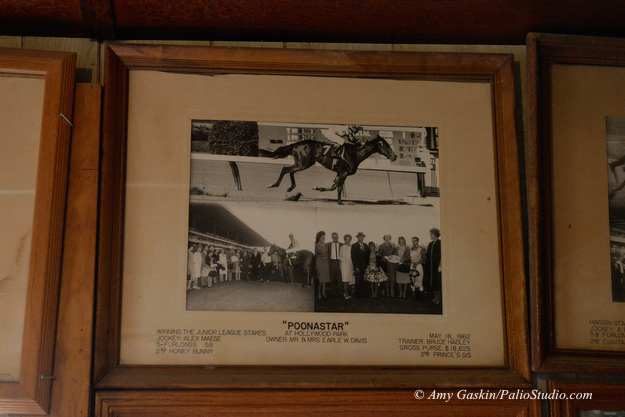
point(572, 397)
point(31, 393)
point(313, 402)
point(549, 56)
point(496, 71)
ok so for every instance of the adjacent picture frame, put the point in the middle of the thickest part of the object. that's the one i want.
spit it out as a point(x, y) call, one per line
point(574, 82)
point(586, 398)
point(494, 71)
point(30, 392)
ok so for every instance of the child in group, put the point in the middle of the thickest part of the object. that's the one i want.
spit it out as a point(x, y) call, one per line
point(374, 274)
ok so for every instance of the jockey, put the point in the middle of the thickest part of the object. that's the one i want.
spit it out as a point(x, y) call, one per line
point(339, 135)
point(293, 245)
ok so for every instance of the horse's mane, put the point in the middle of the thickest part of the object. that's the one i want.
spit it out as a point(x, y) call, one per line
point(373, 141)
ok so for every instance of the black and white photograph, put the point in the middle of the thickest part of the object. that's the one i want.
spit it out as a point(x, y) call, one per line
point(615, 138)
point(303, 217)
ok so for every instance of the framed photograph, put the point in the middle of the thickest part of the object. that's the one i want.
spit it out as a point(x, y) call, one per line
point(284, 218)
point(577, 116)
point(36, 102)
point(430, 403)
point(586, 399)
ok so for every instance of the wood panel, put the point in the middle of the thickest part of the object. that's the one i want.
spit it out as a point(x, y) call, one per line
point(71, 387)
point(10, 41)
point(308, 402)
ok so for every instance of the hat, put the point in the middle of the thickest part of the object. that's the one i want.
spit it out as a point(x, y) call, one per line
point(360, 234)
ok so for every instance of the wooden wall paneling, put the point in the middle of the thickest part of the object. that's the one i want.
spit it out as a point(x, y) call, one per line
point(87, 50)
point(341, 46)
point(72, 372)
point(261, 44)
point(10, 41)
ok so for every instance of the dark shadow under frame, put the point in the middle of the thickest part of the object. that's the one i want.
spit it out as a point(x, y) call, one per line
point(544, 51)
point(496, 70)
point(606, 396)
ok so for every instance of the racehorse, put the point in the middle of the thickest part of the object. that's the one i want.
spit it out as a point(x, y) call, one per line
point(303, 257)
point(306, 152)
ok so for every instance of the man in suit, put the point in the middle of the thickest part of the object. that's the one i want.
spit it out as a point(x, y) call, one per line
point(334, 260)
point(360, 259)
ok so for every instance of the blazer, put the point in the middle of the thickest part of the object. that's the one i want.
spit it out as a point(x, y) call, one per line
point(329, 246)
point(360, 257)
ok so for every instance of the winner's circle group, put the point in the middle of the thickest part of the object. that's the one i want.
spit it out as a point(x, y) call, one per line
point(351, 268)
point(391, 269)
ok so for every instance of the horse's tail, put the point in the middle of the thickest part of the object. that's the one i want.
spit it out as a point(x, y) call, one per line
point(281, 152)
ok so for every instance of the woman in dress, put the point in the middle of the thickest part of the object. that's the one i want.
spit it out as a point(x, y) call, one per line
point(223, 263)
point(205, 268)
point(388, 253)
point(374, 273)
point(212, 267)
point(236, 264)
point(321, 262)
point(190, 266)
point(403, 270)
point(197, 266)
point(346, 266)
point(433, 265)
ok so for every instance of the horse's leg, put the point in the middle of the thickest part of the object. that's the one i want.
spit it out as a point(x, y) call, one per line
point(334, 185)
point(309, 272)
point(291, 174)
point(303, 159)
point(277, 183)
point(306, 272)
point(339, 188)
point(338, 183)
point(291, 170)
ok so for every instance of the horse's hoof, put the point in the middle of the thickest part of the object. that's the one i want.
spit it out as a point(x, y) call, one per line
point(289, 189)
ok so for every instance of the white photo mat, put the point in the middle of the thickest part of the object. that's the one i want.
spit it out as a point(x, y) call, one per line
point(161, 107)
point(585, 315)
point(21, 104)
